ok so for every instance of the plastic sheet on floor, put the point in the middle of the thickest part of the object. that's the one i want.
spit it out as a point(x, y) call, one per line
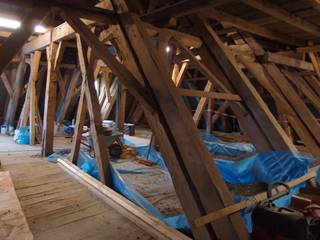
point(262, 167)
point(231, 149)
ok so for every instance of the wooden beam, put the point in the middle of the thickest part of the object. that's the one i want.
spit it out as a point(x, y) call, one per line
point(7, 84)
point(272, 132)
point(202, 104)
point(122, 109)
point(54, 58)
point(16, 40)
point(135, 88)
point(288, 61)
point(283, 15)
point(34, 73)
point(66, 100)
point(283, 105)
point(178, 126)
point(81, 10)
point(149, 223)
point(251, 201)
point(17, 87)
point(14, 224)
point(96, 128)
point(80, 119)
point(247, 26)
point(289, 92)
point(308, 49)
point(207, 94)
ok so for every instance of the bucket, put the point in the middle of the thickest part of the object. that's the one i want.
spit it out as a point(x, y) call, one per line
point(129, 128)
point(3, 129)
point(107, 124)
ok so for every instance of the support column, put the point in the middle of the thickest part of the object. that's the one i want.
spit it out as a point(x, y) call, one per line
point(54, 58)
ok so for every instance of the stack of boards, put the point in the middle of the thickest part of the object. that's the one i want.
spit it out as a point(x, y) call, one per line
point(13, 224)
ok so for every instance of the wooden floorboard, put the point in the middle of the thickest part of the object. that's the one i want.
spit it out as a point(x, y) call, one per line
point(56, 205)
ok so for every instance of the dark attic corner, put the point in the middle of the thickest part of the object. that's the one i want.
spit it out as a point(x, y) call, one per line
point(154, 119)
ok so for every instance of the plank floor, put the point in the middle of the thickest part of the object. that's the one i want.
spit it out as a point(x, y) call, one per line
point(56, 205)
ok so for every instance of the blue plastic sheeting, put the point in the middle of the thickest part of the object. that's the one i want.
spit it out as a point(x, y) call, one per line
point(217, 146)
point(265, 167)
point(124, 187)
point(23, 136)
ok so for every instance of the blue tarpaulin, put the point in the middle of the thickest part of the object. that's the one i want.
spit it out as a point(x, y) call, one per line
point(217, 146)
point(262, 167)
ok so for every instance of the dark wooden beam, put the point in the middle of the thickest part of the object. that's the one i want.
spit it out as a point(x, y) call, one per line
point(16, 40)
point(96, 129)
point(247, 26)
point(271, 131)
point(81, 10)
point(283, 15)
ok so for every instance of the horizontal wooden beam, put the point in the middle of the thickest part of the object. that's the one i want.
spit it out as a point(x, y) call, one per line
point(83, 11)
point(249, 202)
point(288, 61)
point(213, 95)
point(64, 31)
point(315, 48)
point(283, 15)
point(247, 26)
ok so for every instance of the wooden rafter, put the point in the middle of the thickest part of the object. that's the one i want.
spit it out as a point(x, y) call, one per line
point(16, 40)
point(283, 15)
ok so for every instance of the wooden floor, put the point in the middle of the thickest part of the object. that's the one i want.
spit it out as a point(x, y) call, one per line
point(56, 205)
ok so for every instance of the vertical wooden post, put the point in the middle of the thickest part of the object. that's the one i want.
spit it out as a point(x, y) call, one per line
point(81, 115)
point(54, 58)
point(122, 108)
point(17, 87)
point(96, 129)
point(35, 63)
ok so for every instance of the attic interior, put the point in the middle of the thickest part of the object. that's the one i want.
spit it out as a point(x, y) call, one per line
point(154, 119)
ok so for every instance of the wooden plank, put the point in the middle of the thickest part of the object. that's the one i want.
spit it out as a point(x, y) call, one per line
point(251, 201)
point(288, 61)
point(151, 224)
point(202, 104)
point(283, 15)
point(13, 224)
point(207, 94)
point(96, 128)
point(316, 62)
point(34, 74)
point(307, 49)
point(16, 40)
